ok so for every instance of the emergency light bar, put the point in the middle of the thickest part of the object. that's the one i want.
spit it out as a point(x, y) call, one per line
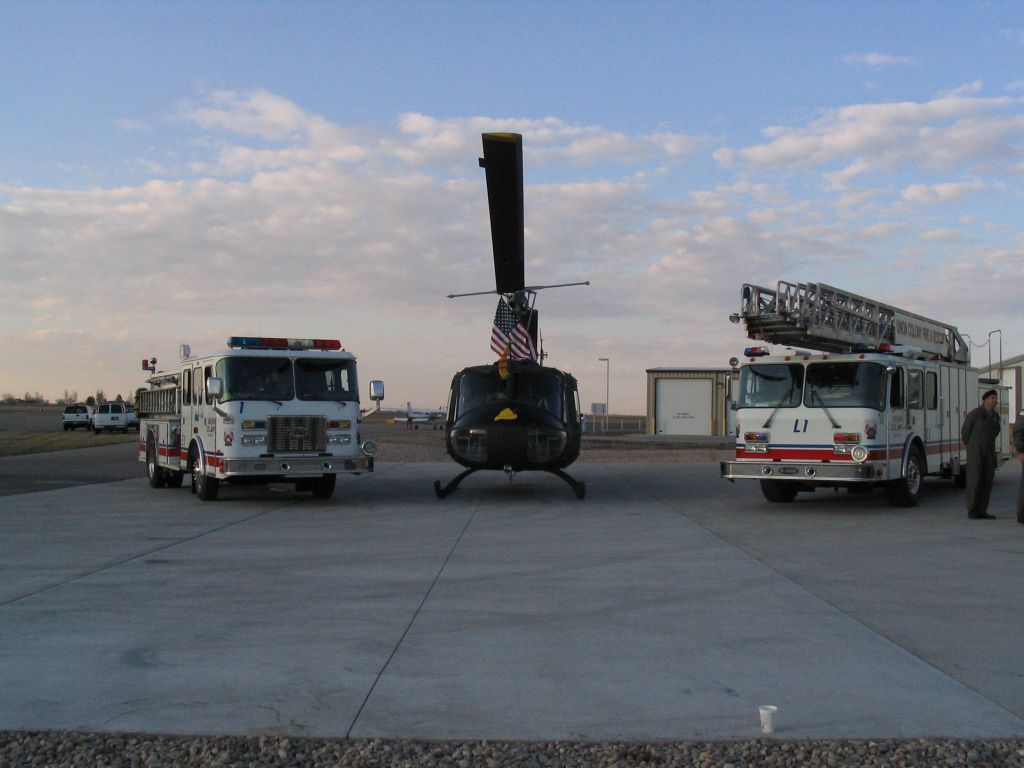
point(269, 342)
point(756, 352)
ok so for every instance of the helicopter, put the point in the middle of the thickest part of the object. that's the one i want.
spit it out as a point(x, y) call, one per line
point(515, 414)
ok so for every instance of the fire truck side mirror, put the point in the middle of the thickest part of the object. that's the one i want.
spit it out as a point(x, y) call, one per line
point(215, 386)
point(376, 390)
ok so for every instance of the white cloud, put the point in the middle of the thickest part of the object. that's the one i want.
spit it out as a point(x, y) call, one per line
point(132, 125)
point(256, 113)
point(942, 236)
point(551, 141)
point(955, 130)
point(876, 60)
point(927, 194)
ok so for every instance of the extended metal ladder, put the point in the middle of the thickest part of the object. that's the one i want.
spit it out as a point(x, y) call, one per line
point(818, 316)
point(157, 402)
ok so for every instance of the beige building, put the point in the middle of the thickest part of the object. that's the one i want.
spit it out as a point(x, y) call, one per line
point(1008, 372)
point(689, 401)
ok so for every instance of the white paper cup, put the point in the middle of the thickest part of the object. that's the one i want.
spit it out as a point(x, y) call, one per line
point(768, 718)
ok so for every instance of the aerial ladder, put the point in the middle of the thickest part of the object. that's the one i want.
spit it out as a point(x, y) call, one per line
point(820, 317)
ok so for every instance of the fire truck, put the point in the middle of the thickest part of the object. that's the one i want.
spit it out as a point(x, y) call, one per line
point(260, 410)
point(864, 395)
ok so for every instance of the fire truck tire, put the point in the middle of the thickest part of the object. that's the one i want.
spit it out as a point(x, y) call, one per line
point(779, 491)
point(205, 487)
point(323, 487)
point(906, 491)
point(173, 479)
point(153, 471)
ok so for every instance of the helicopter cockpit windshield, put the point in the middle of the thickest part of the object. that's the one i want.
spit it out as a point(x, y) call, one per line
point(540, 390)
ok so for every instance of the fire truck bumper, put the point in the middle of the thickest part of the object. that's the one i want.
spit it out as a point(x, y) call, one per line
point(304, 466)
point(847, 472)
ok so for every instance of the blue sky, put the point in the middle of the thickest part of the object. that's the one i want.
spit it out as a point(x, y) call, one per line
point(182, 172)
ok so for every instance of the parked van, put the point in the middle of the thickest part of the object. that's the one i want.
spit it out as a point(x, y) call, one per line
point(111, 417)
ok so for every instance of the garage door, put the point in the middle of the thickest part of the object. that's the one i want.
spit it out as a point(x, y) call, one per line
point(683, 406)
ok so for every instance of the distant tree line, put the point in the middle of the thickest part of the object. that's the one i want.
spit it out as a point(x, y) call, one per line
point(70, 397)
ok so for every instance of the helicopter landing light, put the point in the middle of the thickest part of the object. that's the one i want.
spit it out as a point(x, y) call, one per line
point(544, 444)
point(470, 444)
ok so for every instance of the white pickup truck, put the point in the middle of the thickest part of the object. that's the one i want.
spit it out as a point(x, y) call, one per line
point(76, 415)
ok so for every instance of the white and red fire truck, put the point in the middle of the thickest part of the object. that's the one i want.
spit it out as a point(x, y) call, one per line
point(261, 410)
point(877, 402)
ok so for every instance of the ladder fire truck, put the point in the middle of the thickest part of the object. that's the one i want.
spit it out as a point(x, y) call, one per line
point(877, 403)
point(260, 410)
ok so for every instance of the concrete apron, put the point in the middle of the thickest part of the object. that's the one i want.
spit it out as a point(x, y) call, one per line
point(668, 604)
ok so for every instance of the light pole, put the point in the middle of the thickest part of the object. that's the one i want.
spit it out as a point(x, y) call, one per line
point(607, 387)
point(999, 331)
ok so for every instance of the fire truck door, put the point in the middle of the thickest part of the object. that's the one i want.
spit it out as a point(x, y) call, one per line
point(207, 418)
point(935, 423)
point(917, 412)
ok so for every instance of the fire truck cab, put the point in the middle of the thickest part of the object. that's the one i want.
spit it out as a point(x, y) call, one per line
point(878, 402)
point(260, 410)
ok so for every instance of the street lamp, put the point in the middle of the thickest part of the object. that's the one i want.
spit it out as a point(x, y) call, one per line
point(1000, 353)
point(607, 387)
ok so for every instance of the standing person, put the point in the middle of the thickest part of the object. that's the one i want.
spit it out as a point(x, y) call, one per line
point(1018, 447)
point(979, 433)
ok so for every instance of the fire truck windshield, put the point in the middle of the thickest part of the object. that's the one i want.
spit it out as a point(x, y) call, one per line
point(325, 380)
point(275, 379)
point(256, 378)
point(845, 385)
point(772, 385)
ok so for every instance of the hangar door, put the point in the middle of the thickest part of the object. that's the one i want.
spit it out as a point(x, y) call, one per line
point(683, 406)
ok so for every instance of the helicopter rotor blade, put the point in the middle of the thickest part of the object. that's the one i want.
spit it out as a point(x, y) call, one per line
point(503, 166)
point(527, 288)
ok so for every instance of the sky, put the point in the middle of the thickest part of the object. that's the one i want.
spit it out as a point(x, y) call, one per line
point(181, 172)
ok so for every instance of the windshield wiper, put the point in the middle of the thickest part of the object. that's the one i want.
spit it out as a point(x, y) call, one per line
point(814, 393)
point(778, 405)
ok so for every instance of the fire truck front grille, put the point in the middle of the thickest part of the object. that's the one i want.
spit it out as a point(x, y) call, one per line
point(296, 434)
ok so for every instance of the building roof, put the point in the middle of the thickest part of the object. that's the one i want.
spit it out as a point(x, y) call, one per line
point(1006, 362)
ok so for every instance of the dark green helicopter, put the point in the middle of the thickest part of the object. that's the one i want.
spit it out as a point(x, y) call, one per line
point(513, 415)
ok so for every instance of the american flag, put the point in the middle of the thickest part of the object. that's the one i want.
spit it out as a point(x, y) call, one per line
point(509, 331)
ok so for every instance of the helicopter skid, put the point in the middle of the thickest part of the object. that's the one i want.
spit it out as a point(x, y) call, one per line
point(578, 486)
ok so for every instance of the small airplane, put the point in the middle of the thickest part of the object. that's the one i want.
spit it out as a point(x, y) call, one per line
point(434, 418)
point(413, 417)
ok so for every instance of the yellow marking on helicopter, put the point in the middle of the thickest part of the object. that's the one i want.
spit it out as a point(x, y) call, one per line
point(506, 415)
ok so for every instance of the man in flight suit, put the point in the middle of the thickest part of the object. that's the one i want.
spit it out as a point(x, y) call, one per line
point(979, 433)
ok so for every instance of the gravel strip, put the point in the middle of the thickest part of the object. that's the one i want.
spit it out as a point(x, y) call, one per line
point(132, 750)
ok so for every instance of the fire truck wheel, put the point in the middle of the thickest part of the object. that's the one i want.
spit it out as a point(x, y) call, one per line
point(779, 491)
point(323, 487)
point(907, 490)
point(207, 487)
point(153, 471)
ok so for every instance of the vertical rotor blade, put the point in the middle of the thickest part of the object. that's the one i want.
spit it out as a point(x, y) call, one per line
point(503, 166)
